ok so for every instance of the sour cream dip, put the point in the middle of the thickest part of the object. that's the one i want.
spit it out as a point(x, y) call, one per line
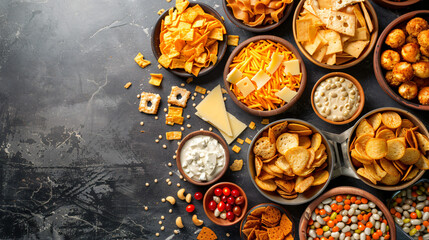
point(202, 158)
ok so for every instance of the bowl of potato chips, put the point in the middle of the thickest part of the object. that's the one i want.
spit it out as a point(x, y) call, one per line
point(189, 40)
point(335, 34)
point(290, 161)
point(257, 16)
point(388, 149)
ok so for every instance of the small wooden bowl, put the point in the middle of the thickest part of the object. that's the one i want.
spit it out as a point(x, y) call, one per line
point(381, 47)
point(155, 41)
point(395, 4)
point(209, 196)
point(206, 133)
point(285, 107)
point(260, 28)
point(403, 114)
point(282, 210)
point(303, 223)
point(355, 82)
point(308, 195)
point(364, 54)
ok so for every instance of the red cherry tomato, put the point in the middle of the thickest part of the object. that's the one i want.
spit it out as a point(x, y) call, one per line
point(198, 195)
point(190, 208)
point(230, 216)
point(212, 205)
point(221, 206)
point(224, 198)
point(226, 191)
point(231, 200)
point(237, 211)
point(235, 193)
point(228, 207)
point(218, 192)
point(239, 200)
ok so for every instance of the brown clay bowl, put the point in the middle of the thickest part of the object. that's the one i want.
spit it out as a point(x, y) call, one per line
point(303, 223)
point(396, 4)
point(179, 150)
point(403, 114)
point(312, 192)
point(260, 28)
point(355, 82)
point(285, 107)
point(209, 196)
point(364, 54)
point(155, 41)
point(282, 210)
point(381, 47)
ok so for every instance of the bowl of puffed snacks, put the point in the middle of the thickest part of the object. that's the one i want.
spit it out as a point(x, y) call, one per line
point(290, 161)
point(335, 34)
point(388, 149)
point(257, 16)
point(189, 39)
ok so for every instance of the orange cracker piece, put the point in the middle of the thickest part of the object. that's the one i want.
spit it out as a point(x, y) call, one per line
point(156, 79)
point(179, 96)
point(189, 80)
point(252, 125)
point(236, 149)
point(178, 120)
point(169, 120)
point(285, 224)
point(237, 165)
point(239, 140)
point(248, 140)
point(145, 99)
point(127, 85)
point(173, 135)
point(161, 11)
point(175, 111)
point(139, 59)
point(265, 121)
point(233, 40)
point(206, 234)
point(201, 90)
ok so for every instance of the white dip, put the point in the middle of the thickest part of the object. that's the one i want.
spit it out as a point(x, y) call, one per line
point(336, 99)
point(202, 158)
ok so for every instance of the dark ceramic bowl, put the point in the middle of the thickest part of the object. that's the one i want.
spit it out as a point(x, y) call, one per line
point(260, 28)
point(381, 47)
point(353, 62)
point(206, 133)
point(208, 196)
point(285, 107)
point(155, 41)
point(396, 4)
point(355, 82)
point(303, 223)
point(403, 114)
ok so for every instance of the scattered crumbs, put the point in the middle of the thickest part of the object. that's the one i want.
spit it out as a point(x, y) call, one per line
point(165, 109)
point(170, 210)
point(252, 125)
point(141, 123)
point(195, 94)
point(189, 80)
point(138, 95)
point(142, 131)
point(157, 234)
point(193, 104)
point(182, 84)
point(175, 151)
point(180, 176)
point(178, 185)
point(168, 0)
point(157, 140)
point(201, 90)
point(188, 125)
point(175, 230)
point(155, 180)
point(162, 199)
point(169, 104)
point(182, 128)
point(188, 116)
point(160, 222)
point(164, 146)
point(248, 141)
point(184, 179)
point(127, 85)
point(167, 180)
point(146, 208)
point(170, 173)
point(156, 117)
point(202, 96)
point(178, 143)
point(162, 217)
point(159, 66)
point(224, 98)
point(228, 235)
point(174, 156)
point(210, 129)
point(265, 121)
point(223, 90)
point(162, 228)
point(169, 183)
point(193, 98)
point(240, 141)
point(147, 184)
point(169, 164)
point(160, 136)
point(236, 149)
point(208, 91)
point(201, 129)
point(161, 11)
point(222, 18)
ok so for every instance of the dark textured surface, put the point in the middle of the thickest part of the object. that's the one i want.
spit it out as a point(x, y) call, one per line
point(73, 162)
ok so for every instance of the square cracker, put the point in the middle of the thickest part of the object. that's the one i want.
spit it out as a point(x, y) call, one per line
point(334, 41)
point(153, 98)
point(355, 48)
point(303, 30)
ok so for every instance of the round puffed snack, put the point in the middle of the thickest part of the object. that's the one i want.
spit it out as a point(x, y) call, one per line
point(376, 148)
point(287, 141)
point(264, 148)
point(391, 119)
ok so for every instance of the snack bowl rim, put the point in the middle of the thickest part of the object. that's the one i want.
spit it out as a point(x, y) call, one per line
point(396, 5)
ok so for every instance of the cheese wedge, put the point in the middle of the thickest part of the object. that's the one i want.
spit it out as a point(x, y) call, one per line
point(286, 94)
point(234, 76)
point(212, 109)
point(261, 78)
point(276, 60)
point(245, 86)
point(292, 67)
point(237, 128)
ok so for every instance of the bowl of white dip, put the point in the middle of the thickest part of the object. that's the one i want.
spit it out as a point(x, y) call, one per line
point(202, 157)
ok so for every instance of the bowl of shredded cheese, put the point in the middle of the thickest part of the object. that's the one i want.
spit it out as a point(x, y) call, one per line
point(265, 75)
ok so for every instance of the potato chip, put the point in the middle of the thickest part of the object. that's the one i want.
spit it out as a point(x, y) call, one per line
point(422, 163)
point(312, 157)
point(379, 170)
point(411, 156)
point(423, 142)
point(388, 167)
point(362, 159)
point(370, 170)
point(320, 178)
point(364, 173)
point(320, 151)
point(391, 119)
point(237, 165)
point(413, 173)
point(316, 140)
point(364, 128)
point(273, 167)
point(303, 185)
point(258, 165)
point(385, 134)
point(265, 176)
point(304, 141)
point(264, 148)
point(376, 148)
point(267, 185)
point(391, 179)
point(284, 165)
point(287, 186)
point(395, 149)
point(268, 170)
point(286, 141)
point(361, 151)
point(406, 123)
point(363, 139)
point(279, 128)
point(298, 158)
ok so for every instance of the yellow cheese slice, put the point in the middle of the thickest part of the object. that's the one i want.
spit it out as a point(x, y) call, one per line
point(261, 78)
point(286, 94)
point(212, 109)
point(237, 128)
point(292, 67)
point(245, 86)
point(276, 60)
point(234, 76)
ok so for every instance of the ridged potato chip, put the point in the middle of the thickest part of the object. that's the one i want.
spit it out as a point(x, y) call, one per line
point(267, 185)
point(370, 169)
point(375, 120)
point(388, 166)
point(376, 148)
point(364, 173)
point(391, 119)
point(364, 128)
point(304, 141)
point(386, 134)
point(316, 140)
point(395, 149)
point(379, 170)
point(283, 164)
point(413, 173)
point(406, 123)
point(265, 176)
point(391, 179)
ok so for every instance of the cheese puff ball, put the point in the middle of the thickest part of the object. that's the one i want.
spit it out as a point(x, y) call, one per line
point(408, 90)
point(424, 96)
point(389, 58)
point(424, 51)
point(411, 39)
point(416, 25)
point(423, 38)
point(421, 69)
point(391, 80)
point(421, 83)
point(403, 72)
point(395, 38)
point(410, 52)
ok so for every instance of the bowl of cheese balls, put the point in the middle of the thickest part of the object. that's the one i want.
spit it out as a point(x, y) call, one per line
point(401, 60)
